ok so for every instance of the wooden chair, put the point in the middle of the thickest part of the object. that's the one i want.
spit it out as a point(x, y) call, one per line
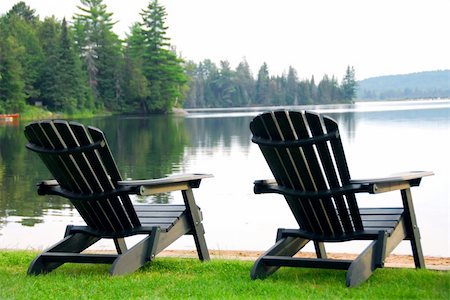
point(85, 172)
point(305, 154)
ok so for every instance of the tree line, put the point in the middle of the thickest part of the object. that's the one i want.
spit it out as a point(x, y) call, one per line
point(84, 66)
point(212, 86)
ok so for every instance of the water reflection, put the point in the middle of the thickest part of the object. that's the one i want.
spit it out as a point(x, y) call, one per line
point(376, 142)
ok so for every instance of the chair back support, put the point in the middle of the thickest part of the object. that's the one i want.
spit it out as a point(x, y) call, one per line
point(305, 153)
point(80, 160)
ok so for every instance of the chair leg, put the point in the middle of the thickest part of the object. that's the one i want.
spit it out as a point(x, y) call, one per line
point(373, 256)
point(412, 228)
point(287, 246)
point(197, 227)
point(320, 250)
point(121, 246)
point(74, 243)
point(136, 256)
point(362, 267)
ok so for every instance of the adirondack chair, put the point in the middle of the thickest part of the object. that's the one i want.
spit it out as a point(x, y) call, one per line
point(85, 172)
point(306, 156)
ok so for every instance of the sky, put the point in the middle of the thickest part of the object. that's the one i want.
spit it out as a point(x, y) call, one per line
point(376, 37)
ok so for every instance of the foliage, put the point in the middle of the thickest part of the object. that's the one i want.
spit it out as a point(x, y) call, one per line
point(12, 86)
point(101, 49)
point(349, 84)
point(84, 66)
point(182, 278)
point(62, 84)
point(161, 67)
point(212, 86)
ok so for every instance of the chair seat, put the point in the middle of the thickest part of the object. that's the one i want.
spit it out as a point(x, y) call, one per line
point(374, 221)
point(380, 219)
point(163, 216)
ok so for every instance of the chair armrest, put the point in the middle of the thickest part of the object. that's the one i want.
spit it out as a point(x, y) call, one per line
point(166, 184)
point(398, 181)
point(52, 187)
point(271, 186)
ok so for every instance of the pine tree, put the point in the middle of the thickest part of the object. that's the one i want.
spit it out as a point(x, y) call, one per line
point(63, 85)
point(12, 94)
point(245, 85)
point(76, 94)
point(262, 85)
point(20, 23)
point(49, 32)
point(100, 47)
point(349, 85)
point(162, 68)
point(135, 85)
point(292, 87)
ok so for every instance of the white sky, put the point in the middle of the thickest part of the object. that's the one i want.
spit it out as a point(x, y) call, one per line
point(316, 37)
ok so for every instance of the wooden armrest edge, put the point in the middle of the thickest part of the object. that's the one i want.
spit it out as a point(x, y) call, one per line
point(398, 177)
point(178, 178)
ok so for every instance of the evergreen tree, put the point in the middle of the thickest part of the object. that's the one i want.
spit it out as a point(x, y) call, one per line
point(349, 85)
point(262, 85)
point(63, 86)
point(225, 86)
point(208, 74)
point(313, 90)
point(162, 68)
point(76, 93)
point(24, 12)
point(292, 87)
point(100, 47)
point(49, 32)
point(245, 85)
point(12, 94)
point(21, 23)
point(135, 86)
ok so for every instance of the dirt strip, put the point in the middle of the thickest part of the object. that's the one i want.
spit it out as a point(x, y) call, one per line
point(394, 261)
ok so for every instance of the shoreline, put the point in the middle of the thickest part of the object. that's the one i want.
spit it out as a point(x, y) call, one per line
point(392, 261)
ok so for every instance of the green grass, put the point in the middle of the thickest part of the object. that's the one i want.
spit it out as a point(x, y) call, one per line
point(188, 278)
point(37, 113)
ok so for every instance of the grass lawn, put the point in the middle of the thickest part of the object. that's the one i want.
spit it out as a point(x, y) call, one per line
point(184, 278)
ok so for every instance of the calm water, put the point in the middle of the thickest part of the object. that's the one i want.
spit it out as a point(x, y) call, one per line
point(379, 139)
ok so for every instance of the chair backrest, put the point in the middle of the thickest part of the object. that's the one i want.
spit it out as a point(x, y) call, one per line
point(80, 160)
point(305, 153)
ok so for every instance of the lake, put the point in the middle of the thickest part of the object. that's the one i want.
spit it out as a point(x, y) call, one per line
point(379, 139)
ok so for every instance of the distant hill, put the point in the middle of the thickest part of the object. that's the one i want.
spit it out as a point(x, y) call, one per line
point(429, 84)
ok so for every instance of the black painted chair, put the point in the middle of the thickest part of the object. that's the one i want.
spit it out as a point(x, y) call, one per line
point(85, 172)
point(306, 156)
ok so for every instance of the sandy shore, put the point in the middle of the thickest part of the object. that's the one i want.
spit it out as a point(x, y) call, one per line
point(395, 261)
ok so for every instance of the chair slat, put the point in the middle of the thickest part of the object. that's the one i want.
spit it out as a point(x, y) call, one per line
point(57, 166)
point(312, 166)
point(114, 211)
point(341, 163)
point(113, 173)
point(38, 136)
point(331, 178)
point(101, 215)
point(303, 170)
point(322, 207)
point(67, 160)
point(258, 127)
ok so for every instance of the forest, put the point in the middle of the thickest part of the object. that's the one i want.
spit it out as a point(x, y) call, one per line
point(83, 66)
